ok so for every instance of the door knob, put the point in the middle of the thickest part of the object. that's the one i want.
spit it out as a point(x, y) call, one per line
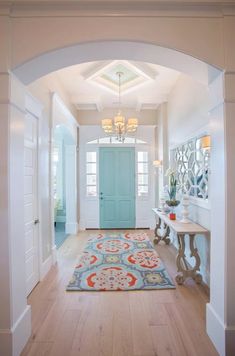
point(36, 221)
point(101, 198)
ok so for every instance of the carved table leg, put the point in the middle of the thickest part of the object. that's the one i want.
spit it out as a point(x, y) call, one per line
point(165, 236)
point(194, 253)
point(158, 225)
point(182, 264)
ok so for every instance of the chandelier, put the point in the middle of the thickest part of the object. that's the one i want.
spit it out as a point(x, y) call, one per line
point(118, 125)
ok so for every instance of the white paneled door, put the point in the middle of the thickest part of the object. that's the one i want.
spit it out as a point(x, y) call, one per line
point(31, 221)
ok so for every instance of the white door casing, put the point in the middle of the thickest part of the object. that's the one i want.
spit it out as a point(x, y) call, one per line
point(31, 226)
point(89, 205)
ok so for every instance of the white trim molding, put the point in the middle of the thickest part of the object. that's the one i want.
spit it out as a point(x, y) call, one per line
point(215, 329)
point(17, 336)
point(46, 266)
point(115, 8)
point(48, 263)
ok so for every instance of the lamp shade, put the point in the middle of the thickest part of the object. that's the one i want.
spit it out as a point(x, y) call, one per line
point(132, 124)
point(119, 120)
point(107, 125)
point(157, 163)
point(106, 122)
point(206, 142)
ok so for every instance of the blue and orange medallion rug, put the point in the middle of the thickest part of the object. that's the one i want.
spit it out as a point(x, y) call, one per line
point(116, 262)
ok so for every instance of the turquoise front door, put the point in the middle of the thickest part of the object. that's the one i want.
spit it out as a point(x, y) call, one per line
point(117, 188)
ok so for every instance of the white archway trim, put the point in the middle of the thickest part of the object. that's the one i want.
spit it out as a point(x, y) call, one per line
point(110, 50)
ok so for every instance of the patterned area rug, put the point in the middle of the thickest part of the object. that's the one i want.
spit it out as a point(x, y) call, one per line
point(117, 262)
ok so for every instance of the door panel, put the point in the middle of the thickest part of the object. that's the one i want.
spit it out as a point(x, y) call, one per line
point(125, 211)
point(30, 203)
point(117, 187)
point(109, 210)
point(108, 172)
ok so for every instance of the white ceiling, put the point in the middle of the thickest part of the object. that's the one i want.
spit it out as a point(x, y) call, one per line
point(94, 85)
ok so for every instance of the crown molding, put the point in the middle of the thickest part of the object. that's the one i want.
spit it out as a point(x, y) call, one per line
point(115, 8)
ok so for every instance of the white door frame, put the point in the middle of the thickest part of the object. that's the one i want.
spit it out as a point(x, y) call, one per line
point(89, 206)
point(35, 108)
point(33, 252)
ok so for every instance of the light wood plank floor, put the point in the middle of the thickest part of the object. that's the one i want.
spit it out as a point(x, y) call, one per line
point(136, 323)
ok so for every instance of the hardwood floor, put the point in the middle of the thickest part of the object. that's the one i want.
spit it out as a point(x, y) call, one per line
point(136, 323)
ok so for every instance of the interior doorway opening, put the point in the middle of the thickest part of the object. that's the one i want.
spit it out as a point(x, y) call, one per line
point(62, 168)
point(211, 75)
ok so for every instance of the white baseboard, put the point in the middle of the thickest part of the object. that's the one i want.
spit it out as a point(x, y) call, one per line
point(71, 228)
point(82, 225)
point(215, 329)
point(13, 341)
point(21, 331)
point(45, 267)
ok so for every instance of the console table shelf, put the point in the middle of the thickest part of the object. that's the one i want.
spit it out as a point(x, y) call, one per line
point(181, 229)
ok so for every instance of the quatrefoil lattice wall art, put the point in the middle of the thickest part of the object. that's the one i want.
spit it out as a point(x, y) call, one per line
point(191, 162)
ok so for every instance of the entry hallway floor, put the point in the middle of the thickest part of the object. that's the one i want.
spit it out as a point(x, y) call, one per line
point(135, 323)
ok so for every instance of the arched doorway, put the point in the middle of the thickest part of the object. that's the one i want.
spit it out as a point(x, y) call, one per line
point(141, 51)
point(210, 75)
point(110, 50)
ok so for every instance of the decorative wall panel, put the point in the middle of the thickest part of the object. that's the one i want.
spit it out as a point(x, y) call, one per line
point(191, 162)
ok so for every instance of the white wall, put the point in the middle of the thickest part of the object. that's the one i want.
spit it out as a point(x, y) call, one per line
point(45, 86)
point(162, 147)
point(188, 117)
point(188, 106)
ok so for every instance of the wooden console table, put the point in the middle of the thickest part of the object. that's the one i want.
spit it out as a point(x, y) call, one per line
point(181, 230)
